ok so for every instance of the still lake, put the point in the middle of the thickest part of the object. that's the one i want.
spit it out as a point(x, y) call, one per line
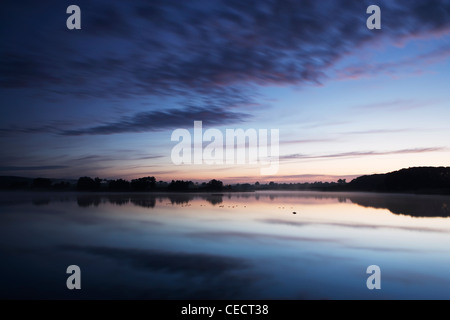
point(224, 246)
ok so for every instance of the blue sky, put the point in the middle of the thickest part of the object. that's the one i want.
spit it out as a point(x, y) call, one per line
point(104, 100)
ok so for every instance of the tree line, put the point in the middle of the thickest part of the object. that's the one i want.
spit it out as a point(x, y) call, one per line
point(145, 184)
point(150, 184)
point(430, 180)
point(88, 184)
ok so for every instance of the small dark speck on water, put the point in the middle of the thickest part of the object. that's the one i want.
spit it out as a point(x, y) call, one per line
point(294, 212)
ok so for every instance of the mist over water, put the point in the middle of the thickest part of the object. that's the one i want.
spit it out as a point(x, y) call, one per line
point(261, 245)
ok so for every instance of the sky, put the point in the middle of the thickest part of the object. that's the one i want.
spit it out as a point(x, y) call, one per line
point(105, 99)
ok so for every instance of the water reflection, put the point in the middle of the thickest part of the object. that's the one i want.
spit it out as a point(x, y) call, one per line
point(224, 246)
point(412, 205)
point(214, 199)
point(87, 201)
point(402, 204)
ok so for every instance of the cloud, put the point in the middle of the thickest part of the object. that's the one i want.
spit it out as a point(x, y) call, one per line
point(304, 141)
point(362, 153)
point(129, 155)
point(150, 157)
point(414, 63)
point(379, 131)
point(396, 105)
point(298, 178)
point(212, 50)
point(295, 178)
point(48, 128)
point(158, 120)
point(400, 104)
point(32, 168)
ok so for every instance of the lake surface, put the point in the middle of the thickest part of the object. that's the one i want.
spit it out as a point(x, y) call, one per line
point(224, 246)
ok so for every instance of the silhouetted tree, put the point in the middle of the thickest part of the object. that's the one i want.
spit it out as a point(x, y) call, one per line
point(180, 185)
point(119, 185)
point(214, 185)
point(88, 184)
point(41, 183)
point(418, 180)
point(98, 182)
point(40, 201)
point(143, 184)
point(61, 186)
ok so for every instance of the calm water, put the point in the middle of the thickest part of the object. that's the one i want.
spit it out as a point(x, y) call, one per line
point(224, 246)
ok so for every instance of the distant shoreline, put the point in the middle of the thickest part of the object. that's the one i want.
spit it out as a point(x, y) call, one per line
point(223, 193)
point(417, 180)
